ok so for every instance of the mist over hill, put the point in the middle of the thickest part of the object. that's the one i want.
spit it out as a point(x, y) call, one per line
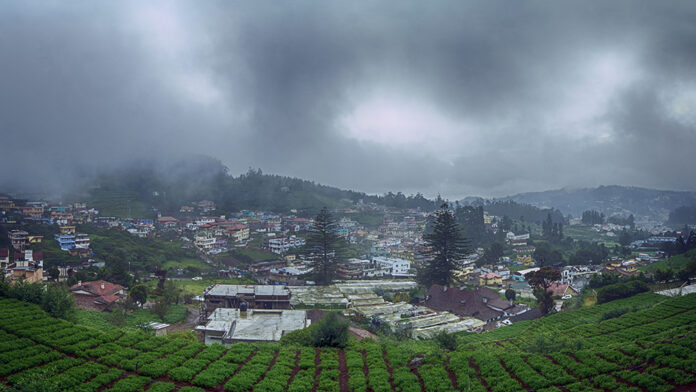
point(148, 186)
point(647, 205)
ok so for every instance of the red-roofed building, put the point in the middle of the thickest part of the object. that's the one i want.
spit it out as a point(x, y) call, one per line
point(167, 221)
point(27, 265)
point(483, 303)
point(558, 289)
point(28, 255)
point(98, 295)
point(490, 279)
point(4, 258)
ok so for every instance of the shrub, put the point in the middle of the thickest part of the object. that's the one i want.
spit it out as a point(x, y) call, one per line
point(620, 290)
point(446, 340)
point(330, 331)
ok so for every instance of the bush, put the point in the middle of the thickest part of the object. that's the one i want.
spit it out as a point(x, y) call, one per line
point(620, 290)
point(446, 340)
point(613, 313)
point(300, 337)
point(330, 331)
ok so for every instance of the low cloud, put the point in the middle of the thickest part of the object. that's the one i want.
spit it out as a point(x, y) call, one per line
point(478, 98)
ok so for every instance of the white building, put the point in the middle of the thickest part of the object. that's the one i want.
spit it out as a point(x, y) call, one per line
point(227, 325)
point(398, 267)
point(204, 240)
point(82, 241)
point(284, 244)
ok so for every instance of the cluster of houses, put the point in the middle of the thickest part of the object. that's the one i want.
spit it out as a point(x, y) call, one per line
point(40, 212)
point(233, 313)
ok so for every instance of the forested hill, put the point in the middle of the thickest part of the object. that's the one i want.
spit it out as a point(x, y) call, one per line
point(139, 188)
point(644, 204)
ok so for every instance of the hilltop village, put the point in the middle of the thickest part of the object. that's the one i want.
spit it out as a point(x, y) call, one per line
point(246, 256)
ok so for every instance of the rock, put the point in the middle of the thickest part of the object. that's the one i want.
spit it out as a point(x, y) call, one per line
point(416, 362)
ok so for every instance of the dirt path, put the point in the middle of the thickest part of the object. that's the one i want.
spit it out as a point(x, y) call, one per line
point(189, 324)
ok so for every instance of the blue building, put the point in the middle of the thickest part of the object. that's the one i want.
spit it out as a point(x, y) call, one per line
point(65, 241)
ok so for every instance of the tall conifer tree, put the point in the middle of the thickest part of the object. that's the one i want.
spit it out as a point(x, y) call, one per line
point(325, 248)
point(447, 247)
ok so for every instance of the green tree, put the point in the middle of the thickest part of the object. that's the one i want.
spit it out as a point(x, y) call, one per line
point(160, 308)
point(58, 302)
point(139, 294)
point(664, 275)
point(625, 238)
point(53, 272)
point(118, 315)
point(446, 340)
point(592, 217)
point(447, 247)
point(330, 331)
point(544, 255)
point(510, 294)
point(325, 248)
point(543, 277)
point(491, 255)
point(541, 280)
point(171, 293)
point(544, 300)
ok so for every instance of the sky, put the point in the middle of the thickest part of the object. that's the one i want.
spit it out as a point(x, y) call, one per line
point(458, 98)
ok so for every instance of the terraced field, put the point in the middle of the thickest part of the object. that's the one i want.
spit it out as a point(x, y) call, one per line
point(652, 347)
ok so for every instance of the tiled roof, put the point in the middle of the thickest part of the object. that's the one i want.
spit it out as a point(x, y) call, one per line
point(96, 287)
point(558, 289)
point(462, 302)
point(531, 314)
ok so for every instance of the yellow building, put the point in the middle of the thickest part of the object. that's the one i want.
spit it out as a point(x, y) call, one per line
point(525, 259)
point(67, 230)
point(35, 239)
point(490, 279)
point(403, 254)
point(463, 274)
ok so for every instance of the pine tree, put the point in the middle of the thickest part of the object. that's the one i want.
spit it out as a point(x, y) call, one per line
point(447, 248)
point(325, 248)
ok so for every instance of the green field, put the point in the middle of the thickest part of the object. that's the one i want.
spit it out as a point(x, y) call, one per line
point(651, 347)
point(675, 262)
point(102, 320)
point(585, 233)
point(186, 262)
point(118, 204)
point(196, 287)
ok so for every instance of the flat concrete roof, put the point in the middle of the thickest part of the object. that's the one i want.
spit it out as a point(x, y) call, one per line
point(255, 324)
point(676, 292)
point(232, 290)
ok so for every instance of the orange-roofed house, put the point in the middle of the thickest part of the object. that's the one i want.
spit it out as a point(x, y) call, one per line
point(168, 221)
point(490, 279)
point(558, 289)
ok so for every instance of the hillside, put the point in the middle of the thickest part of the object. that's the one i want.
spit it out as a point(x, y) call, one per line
point(141, 189)
point(645, 204)
point(649, 348)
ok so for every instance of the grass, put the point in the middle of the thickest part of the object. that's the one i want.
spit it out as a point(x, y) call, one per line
point(101, 320)
point(675, 262)
point(584, 233)
point(185, 262)
point(113, 203)
point(196, 287)
point(257, 254)
point(93, 319)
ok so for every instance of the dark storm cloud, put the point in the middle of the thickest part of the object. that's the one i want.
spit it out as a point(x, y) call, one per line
point(456, 98)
